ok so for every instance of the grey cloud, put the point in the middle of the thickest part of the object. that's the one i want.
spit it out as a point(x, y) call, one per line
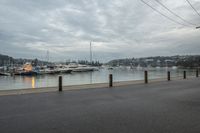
point(28, 28)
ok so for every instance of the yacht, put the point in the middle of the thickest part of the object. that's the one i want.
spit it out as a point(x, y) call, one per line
point(64, 69)
point(84, 68)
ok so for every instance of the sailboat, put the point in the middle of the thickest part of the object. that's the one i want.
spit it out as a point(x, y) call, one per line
point(86, 68)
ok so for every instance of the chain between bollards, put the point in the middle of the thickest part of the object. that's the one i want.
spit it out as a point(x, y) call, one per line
point(60, 83)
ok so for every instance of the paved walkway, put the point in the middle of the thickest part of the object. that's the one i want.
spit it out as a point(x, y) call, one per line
point(160, 107)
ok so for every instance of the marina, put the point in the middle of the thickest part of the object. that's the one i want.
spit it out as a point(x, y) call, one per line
point(95, 66)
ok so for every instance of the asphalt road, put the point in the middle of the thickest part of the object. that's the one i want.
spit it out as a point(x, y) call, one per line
point(165, 107)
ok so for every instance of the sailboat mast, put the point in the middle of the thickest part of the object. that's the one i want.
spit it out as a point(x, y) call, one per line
point(90, 53)
point(47, 56)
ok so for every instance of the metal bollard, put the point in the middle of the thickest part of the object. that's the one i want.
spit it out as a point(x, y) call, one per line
point(60, 83)
point(184, 74)
point(110, 80)
point(197, 73)
point(168, 76)
point(145, 77)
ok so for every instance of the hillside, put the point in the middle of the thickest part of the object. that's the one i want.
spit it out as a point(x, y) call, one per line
point(161, 61)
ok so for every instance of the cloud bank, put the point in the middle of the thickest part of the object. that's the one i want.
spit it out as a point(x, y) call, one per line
point(117, 29)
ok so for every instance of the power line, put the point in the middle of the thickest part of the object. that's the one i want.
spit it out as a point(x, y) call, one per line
point(193, 7)
point(174, 13)
point(163, 14)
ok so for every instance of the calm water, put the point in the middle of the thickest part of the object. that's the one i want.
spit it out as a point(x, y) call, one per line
point(101, 76)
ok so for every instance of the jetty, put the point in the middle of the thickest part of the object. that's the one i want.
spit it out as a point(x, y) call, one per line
point(157, 107)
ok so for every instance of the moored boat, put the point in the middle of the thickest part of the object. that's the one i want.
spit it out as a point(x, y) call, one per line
point(65, 70)
point(4, 74)
point(84, 68)
point(29, 73)
point(26, 70)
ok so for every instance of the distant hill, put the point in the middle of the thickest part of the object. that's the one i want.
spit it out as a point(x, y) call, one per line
point(9, 61)
point(6, 60)
point(161, 61)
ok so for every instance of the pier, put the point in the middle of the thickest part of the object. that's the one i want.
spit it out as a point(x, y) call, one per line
point(156, 107)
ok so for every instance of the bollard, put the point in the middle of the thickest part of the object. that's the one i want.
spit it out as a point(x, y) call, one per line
point(197, 73)
point(145, 77)
point(60, 83)
point(110, 80)
point(184, 74)
point(168, 76)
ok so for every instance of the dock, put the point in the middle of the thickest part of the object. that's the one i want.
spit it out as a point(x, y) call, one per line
point(156, 107)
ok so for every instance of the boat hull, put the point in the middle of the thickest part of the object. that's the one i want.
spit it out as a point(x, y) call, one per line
point(31, 73)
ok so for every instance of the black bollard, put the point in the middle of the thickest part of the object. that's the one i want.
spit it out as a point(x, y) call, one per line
point(110, 80)
point(197, 73)
point(60, 83)
point(145, 77)
point(184, 74)
point(168, 76)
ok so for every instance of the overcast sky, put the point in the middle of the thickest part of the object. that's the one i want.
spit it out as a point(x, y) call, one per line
point(117, 29)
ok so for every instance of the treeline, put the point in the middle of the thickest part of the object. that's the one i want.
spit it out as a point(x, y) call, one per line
point(159, 61)
point(10, 61)
point(85, 62)
point(5, 60)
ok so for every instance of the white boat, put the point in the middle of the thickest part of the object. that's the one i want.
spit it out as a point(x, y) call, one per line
point(157, 67)
point(4, 74)
point(65, 70)
point(84, 68)
point(174, 67)
point(110, 68)
point(1, 68)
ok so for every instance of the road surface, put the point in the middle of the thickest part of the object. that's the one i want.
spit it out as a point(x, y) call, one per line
point(162, 107)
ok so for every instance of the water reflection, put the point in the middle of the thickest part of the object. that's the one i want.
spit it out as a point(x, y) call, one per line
point(30, 81)
point(33, 82)
point(90, 77)
point(101, 76)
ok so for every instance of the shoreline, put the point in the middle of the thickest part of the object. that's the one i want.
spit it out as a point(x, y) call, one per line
point(85, 86)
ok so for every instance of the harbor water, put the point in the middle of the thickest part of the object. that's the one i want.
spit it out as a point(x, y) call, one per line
point(79, 78)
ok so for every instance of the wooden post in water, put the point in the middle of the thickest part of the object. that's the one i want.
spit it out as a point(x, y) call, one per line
point(60, 83)
point(168, 76)
point(184, 74)
point(110, 80)
point(145, 77)
point(197, 73)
